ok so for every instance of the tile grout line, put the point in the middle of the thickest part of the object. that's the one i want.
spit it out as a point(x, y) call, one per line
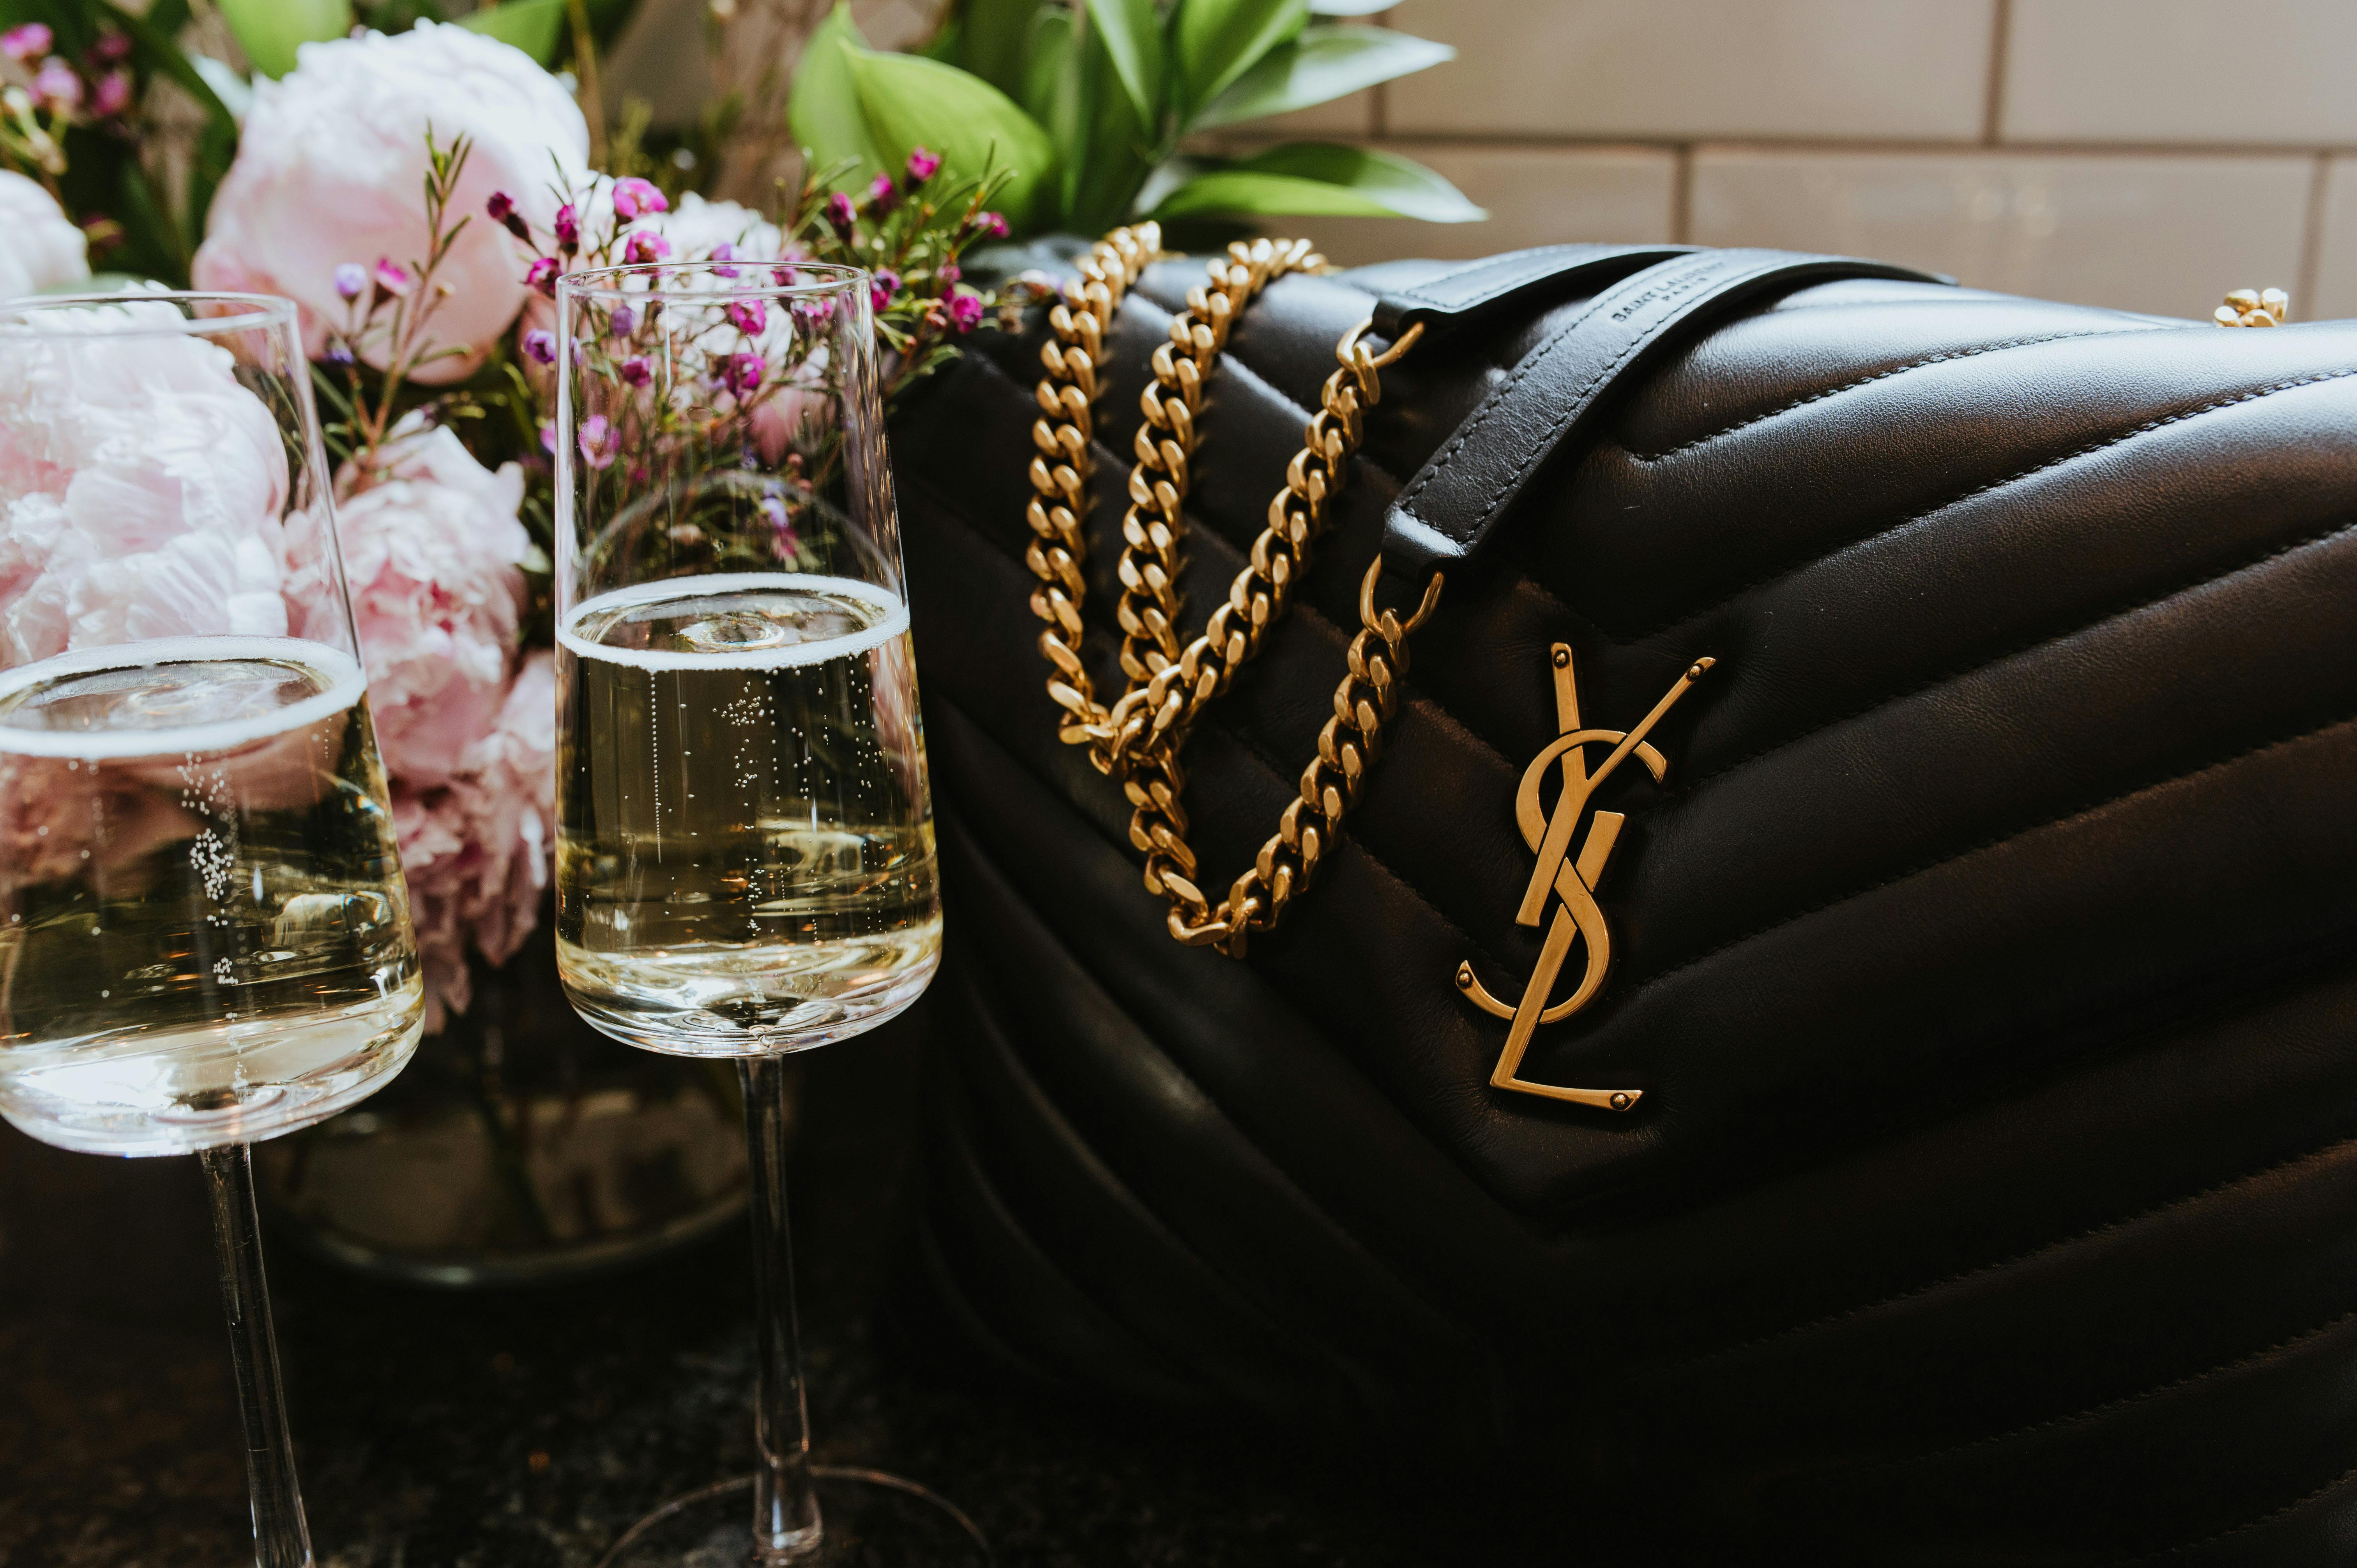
point(2311, 247)
point(2000, 43)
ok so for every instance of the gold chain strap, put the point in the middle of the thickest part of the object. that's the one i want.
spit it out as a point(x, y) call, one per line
point(1138, 738)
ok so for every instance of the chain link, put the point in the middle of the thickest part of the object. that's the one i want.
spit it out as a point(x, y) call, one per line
point(1138, 738)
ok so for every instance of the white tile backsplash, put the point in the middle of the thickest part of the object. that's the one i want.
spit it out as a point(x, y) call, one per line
point(2140, 232)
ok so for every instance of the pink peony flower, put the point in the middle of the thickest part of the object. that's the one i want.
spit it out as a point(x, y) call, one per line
point(142, 489)
point(431, 553)
point(476, 849)
point(332, 163)
point(40, 246)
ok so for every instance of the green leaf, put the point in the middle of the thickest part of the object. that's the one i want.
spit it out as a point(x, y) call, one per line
point(1216, 41)
point(1322, 179)
point(1350, 8)
point(269, 31)
point(976, 128)
point(535, 26)
point(1132, 36)
point(824, 112)
point(993, 41)
point(1102, 172)
point(1321, 65)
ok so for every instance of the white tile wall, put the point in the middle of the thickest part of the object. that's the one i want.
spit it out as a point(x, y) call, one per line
point(1896, 69)
point(1537, 196)
point(2108, 229)
point(2181, 71)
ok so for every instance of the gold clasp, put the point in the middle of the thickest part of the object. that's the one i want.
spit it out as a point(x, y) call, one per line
point(1387, 625)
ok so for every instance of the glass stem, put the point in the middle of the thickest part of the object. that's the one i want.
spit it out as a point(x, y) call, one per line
point(281, 1537)
point(786, 1527)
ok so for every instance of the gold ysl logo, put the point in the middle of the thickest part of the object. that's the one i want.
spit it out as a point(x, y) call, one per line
point(1571, 879)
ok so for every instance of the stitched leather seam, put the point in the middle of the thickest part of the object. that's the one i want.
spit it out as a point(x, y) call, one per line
point(1996, 840)
point(2092, 1233)
point(1944, 356)
point(1958, 672)
point(2113, 1407)
point(1788, 568)
point(2276, 1516)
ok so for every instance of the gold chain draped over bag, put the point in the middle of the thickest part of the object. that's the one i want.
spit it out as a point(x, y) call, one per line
point(1137, 739)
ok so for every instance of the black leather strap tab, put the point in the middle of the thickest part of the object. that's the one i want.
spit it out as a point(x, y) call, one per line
point(1464, 292)
point(1445, 513)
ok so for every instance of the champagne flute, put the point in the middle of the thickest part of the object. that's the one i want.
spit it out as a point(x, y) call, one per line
point(204, 935)
point(745, 837)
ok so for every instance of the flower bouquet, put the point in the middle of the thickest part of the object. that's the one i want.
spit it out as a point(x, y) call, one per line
point(418, 185)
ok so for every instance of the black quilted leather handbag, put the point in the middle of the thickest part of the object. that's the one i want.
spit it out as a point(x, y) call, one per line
point(1969, 1168)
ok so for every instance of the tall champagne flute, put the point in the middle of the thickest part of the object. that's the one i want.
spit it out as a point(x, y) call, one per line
point(204, 934)
point(745, 838)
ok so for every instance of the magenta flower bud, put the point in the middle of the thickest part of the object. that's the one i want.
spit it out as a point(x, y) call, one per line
point(883, 195)
point(635, 197)
point(966, 311)
point(113, 95)
point(56, 85)
point(786, 276)
point(950, 271)
point(646, 245)
point(922, 165)
point(543, 276)
point(568, 228)
point(339, 352)
point(623, 322)
point(27, 43)
point(723, 253)
point(882, 286)
point(747, 315)
point(840, 214)
point(391, 278)
point(600, 441)
point(548, 439)
point(992, 224)
point(110, 48)
point(636, 371)
point(741, 373)
point(540, 345)
point(502, 209)
point(351, 281)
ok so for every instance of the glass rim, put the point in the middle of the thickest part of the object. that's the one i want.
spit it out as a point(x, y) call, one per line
point(831, 278)
point(260, 311)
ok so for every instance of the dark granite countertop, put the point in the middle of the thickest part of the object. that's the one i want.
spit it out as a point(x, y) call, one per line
point(524, 1428)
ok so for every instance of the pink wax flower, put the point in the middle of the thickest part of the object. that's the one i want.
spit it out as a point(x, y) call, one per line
point(741, 373)
point(635, 370)
point(722, 253)
point(966, 311)
point(56, 85)
point(27, 43)
point(950, 271)
point(600, 441)
point(541, 344)
point(991, 224)
point(432, 552)
point(541, 276)
point(568, 228)
point(747, 315)
point(393, 279)
point(475, 849)
point(635, 197)
point(111, 47)
point(351, 280)
point(332, 164)
point(646, 245)
point(112, 94)
point(922, 165)
point(883, 195)
point(841, 215)
point(882, 286)
point(623, 322)
point(786, 276)
point(548, 439)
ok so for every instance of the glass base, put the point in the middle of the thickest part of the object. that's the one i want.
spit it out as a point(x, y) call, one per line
point(869, 1520)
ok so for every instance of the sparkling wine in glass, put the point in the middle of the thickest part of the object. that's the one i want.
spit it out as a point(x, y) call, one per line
point(204, 934)
point(745, 837)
